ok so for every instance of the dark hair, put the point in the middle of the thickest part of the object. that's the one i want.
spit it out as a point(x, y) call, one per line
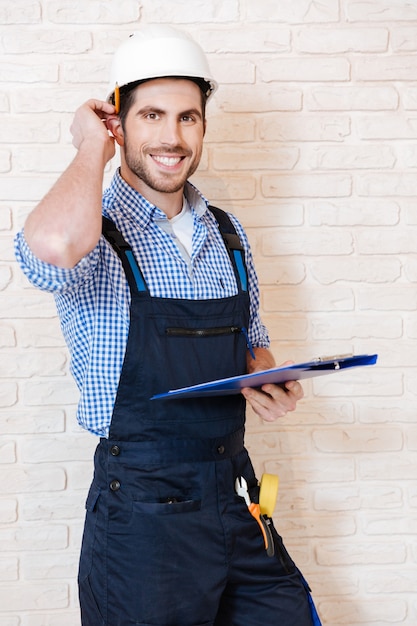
point(127, 94)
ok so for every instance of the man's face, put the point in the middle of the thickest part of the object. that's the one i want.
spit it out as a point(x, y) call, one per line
point(163, 136)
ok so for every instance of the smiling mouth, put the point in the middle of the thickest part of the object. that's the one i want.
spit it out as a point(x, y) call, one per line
point(166, 160)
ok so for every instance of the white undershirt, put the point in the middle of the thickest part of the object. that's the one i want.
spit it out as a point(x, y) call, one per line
point(182, 226)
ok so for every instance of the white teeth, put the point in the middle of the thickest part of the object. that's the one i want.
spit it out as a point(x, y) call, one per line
point(169, 161)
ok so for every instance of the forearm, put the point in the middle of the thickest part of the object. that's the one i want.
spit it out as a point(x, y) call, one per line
point(66, 224)
point(264, 360)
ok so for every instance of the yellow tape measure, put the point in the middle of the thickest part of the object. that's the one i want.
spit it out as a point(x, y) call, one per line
point(268, 494)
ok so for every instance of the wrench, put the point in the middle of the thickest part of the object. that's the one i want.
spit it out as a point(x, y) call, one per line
point(241, 487)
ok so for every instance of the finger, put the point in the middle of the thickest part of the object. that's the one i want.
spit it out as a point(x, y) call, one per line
point(101, 106)
point(273, 401)
point(267, 414)
point(291, 392)
point(264, 405)
point(294, 387)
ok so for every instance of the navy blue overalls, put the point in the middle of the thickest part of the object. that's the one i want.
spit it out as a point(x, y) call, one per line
point(167, 542)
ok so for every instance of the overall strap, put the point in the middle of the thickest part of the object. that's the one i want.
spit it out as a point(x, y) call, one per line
point(233, 245)
point(133, 272)
point(124, 251)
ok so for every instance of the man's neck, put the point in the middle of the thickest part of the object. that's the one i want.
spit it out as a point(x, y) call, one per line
point(169, 203)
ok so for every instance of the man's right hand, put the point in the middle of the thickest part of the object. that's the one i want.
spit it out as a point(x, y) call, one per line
point(89, 127)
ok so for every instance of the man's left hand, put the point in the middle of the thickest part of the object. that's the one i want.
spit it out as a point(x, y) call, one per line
point(271, 401)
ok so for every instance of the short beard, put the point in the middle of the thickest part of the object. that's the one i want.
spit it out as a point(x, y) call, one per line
point(161, 184)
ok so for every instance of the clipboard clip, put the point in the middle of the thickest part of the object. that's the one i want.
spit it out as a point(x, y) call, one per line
point(335, 358)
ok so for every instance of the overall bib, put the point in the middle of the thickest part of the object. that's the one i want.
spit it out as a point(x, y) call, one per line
point(167, 542)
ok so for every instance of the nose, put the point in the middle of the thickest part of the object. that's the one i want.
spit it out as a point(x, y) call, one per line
point(170, 132)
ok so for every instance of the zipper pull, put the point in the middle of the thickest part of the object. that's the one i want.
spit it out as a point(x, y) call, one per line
point(248, 343)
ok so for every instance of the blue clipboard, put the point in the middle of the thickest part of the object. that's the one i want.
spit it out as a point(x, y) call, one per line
point(276, 375)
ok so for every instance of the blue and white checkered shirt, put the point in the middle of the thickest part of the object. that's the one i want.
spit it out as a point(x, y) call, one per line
point(93, 298)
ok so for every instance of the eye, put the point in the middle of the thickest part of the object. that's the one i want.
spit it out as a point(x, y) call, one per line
point(188, 119)
point(151, 116)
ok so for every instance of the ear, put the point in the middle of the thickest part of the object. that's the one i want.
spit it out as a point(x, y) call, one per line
point(114, 125)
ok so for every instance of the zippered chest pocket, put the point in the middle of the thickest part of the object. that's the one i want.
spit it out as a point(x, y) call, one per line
point(176, 331)
point(186, 351)
point(216, 331)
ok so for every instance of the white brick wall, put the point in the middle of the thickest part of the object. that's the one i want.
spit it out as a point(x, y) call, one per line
point(312, 142)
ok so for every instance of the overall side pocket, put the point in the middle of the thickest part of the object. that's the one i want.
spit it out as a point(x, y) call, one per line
point(87, 546)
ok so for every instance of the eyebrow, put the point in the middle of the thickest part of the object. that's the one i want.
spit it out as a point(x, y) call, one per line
point(151, 109)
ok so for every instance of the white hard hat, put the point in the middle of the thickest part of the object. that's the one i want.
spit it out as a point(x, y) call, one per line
point(158, 51)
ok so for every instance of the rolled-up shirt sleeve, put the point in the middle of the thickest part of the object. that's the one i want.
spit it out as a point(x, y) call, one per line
point(258, 333)
point(48, 277)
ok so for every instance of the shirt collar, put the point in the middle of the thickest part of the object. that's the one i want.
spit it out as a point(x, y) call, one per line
point(135, 207)
point(196, 199)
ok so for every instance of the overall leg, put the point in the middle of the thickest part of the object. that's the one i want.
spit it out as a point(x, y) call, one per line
point(161, 561)
point(260, 589)
point(264, 590)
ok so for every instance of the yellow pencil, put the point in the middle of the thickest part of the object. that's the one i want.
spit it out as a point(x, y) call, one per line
point(117, 98)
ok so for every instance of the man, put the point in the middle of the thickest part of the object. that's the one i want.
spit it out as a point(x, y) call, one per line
point(166, 297)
